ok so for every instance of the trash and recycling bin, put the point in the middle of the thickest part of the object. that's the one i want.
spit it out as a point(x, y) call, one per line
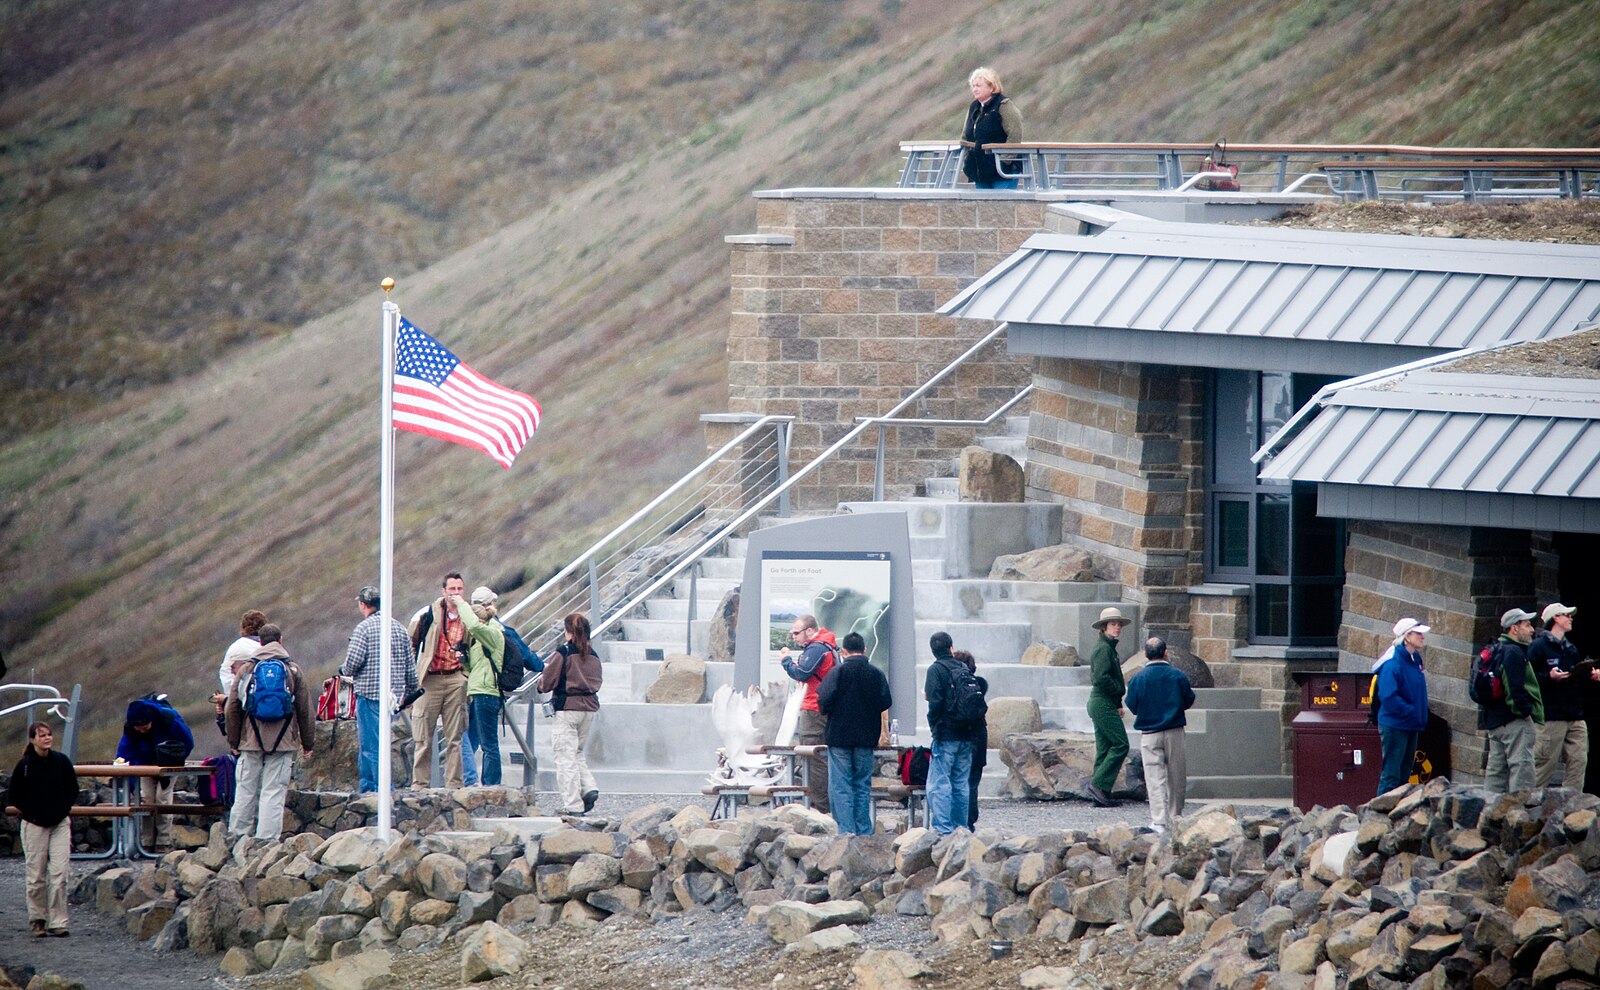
point(1338, 756)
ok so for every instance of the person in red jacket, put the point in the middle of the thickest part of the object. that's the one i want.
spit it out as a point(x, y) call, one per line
point(818, 653)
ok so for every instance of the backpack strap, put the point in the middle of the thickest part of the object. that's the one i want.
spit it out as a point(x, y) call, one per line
point(282, 731)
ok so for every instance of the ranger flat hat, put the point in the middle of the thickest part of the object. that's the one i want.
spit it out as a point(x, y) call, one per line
point(1111, 614)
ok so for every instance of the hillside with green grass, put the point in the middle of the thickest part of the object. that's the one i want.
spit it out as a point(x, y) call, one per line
point(201, 201)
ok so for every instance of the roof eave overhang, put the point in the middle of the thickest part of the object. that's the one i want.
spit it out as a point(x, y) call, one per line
point(1495, 510)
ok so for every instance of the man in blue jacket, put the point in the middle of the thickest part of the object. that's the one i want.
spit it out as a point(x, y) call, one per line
point(1402, 703)
point(1158, 696)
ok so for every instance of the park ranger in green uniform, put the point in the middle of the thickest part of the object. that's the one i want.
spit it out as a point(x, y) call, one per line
point(1106, 688)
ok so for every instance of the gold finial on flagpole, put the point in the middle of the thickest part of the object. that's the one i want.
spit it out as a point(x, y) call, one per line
point(388, 286)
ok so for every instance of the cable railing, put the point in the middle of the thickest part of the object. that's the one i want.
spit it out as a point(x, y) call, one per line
point(686, 557)
point(1352, 172)
point(883, 423)
point(662, 536)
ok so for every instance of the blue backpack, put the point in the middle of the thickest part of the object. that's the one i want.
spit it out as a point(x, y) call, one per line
point(267, 698)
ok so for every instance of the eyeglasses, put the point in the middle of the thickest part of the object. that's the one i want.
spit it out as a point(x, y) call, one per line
point(795, 632)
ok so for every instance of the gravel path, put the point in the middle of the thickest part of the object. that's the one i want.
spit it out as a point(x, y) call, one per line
point(99, 953)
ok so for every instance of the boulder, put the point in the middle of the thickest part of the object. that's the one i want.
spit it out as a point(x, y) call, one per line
point(329, 929)
point(1101, 903)
point(363, 971)
point(790, 921)
point(990, 476)
point(1009, 715)
point(351, 851)
point(826, 940)
point(1054, 766)
point(1051, 654)
point(593, 872)
point(1056, 564)
point(682, 681)
point(724, 627)
point(888, 969)
point(493, 951)
point(442, 876)
point(718, 849)
point(239, 961)
point(333, 765)
point(568, 845)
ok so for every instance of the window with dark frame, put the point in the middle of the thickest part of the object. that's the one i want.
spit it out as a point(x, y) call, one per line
point(1268, 535)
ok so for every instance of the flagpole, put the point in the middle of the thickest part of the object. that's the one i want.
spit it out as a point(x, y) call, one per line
point(391, 320)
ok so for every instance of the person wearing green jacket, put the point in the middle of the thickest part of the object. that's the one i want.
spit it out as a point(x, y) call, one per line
point(1106, 688)
point(484, 657)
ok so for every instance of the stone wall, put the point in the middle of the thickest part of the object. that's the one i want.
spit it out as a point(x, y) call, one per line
point(833, 318)
point(1456, 579)
point(1120, 446)
point(1219, 619)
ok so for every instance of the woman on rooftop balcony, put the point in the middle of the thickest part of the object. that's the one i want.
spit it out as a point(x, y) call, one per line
point(991, 119)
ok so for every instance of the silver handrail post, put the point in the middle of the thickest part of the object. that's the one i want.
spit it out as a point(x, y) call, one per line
point(784, 429)
point(594, 588)
point(877, 471)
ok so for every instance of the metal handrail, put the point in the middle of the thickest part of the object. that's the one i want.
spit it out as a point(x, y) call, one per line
point(604, 558)
point(884, 422)
point(715, 539)
point(54, 700)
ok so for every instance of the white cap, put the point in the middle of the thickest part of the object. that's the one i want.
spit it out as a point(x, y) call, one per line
point(484, 596)
point(1407, 626)
point(1554, 609)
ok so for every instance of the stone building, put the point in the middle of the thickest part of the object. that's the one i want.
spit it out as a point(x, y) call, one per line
point(1162, 356)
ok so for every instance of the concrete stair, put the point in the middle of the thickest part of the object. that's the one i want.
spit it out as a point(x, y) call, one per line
point(639, 747)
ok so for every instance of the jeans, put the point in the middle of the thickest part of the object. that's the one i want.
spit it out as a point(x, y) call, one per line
point(367, 742)
point(850, 788)
point(1399, 755)
point(483, 730)
point(997, 184)
point(949, 776)
point(469, 753)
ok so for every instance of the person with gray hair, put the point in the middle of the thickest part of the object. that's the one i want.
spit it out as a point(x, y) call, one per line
point(1158, 696)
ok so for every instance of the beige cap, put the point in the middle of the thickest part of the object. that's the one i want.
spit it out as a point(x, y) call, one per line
point(1554, 609)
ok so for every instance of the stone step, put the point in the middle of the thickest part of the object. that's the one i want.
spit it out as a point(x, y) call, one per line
point(1013, 447)
point(989, 642)
point(969, 598)
point(1240, 788)
point(728, 568)
point(1017, 426)
point(942, 488)
point(1068, 622)
point(1066, 719)
point(709, 590)
point(518, 829)
point(662, 632)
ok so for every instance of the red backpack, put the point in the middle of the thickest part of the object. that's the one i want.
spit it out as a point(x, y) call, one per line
point(338, 699)
point(914, 766)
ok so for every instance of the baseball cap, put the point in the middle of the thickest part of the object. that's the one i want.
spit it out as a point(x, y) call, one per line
point(368, 596)
point(484, 596)
point(1554, 609)
point(1513, 616)
point(1407, 626)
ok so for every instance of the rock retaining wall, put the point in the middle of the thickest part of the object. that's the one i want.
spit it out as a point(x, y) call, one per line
point(1432, 886)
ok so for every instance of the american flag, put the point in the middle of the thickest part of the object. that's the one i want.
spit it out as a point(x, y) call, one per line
point(436, 394)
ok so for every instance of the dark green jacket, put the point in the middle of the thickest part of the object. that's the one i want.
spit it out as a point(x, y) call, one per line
point(1105, 671)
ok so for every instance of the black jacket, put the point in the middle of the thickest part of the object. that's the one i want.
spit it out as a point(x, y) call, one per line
point(1563, 700)
point(1522, 698)
point(983, 126)
point(937, 689)
point(44, 788)
point(854, 696)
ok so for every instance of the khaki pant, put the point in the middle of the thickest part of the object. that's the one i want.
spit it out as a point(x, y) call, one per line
point(568, 737)
point(1511, 749)
point(1166, 774)
point(1556, 738)
point(48, 854)
point(157, 829)
point(444, 699)
point(813, 731)
point(261, 784)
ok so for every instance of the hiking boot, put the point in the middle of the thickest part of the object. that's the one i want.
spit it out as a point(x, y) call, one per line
point(1100, 798)
point(589, 798)
point(57, 932)
point(37, 927)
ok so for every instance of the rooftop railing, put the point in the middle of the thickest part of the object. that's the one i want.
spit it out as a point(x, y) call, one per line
point(1351, 172)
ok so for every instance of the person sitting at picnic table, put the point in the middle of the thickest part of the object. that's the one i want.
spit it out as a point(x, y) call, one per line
point(154, 735)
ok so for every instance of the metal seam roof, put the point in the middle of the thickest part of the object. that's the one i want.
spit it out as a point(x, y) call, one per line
point(1306, 285)
point(1431, 430)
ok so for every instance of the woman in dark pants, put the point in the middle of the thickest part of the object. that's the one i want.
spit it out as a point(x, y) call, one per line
point(980, 742)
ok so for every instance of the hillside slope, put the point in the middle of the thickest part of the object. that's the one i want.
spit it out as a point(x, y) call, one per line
point(132, 536)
